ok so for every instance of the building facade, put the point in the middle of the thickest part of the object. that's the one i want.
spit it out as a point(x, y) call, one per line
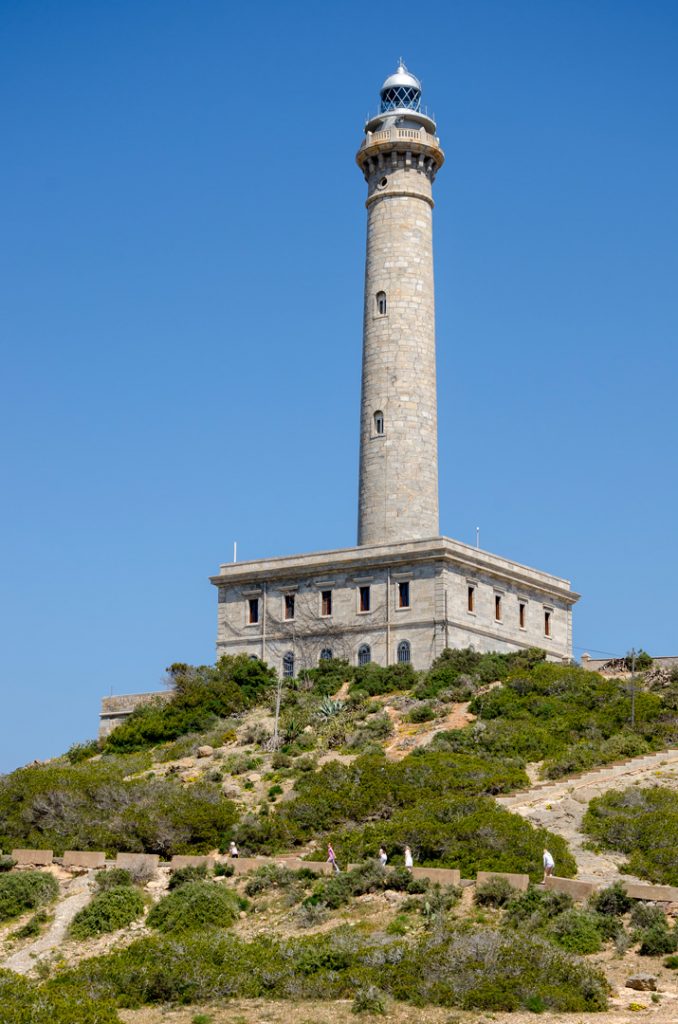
point(404, 593)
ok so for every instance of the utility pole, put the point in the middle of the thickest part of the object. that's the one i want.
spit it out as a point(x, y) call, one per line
point(632, 685)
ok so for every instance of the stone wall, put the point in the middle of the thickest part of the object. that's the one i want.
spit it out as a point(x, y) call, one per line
point(116, 709)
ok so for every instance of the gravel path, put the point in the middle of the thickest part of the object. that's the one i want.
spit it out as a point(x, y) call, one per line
point(561, 805)
point(77, 894)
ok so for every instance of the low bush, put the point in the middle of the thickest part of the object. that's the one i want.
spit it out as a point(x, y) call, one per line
point(200, 695)
point(195, 905)
point(110, 805)
point(32, 927)
point(577, 931)
point(6, 862)
point(191, 873)
point(642, 823)
point(613, 900)
point(646, 915)
point(495, 892)
point(671, 962)
point(83, 751)
point(24, 891)
point(657, 940)
point(536, 908)
point(107, 912)
point(481, 968)
point(113, 878)
point(25, 1002)
point(369, 1000)
point(421, 713)
point(337, 890)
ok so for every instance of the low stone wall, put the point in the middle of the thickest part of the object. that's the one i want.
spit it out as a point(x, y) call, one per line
point(115, 710)
point(137, 860)
point(84, 859)
point(579, 891)
point(181, 860)
point(657, 893)
point(519, 882)
point(33, 858)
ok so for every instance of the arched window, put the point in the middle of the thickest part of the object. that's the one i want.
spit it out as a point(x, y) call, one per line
point(326, 654)
point(288, 665)
point(404, 652)
point(381, 303)
point(379, 422)
point(253, 657)
point(364, 654)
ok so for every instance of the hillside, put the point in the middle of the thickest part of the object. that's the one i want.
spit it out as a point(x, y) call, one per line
point(366, 759)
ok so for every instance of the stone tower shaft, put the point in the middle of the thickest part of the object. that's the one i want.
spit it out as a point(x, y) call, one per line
point(398, 498)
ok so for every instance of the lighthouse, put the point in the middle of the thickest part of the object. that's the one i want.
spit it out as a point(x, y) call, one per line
point(399, 157)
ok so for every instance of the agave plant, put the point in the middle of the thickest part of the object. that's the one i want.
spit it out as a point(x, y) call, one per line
point(329, 708)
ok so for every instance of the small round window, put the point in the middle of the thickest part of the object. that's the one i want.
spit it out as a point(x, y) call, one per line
point(383, 183)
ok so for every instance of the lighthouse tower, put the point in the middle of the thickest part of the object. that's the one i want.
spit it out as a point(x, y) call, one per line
point(399, 158)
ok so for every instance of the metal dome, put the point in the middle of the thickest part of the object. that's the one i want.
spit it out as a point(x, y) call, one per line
point(401, 90)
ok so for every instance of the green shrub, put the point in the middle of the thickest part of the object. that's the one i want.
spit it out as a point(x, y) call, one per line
point(25, 1002)
point(577, 931)
point(191, 873)
point(369, 1000)
point(195, 905)
point(671, 962)
point(32, 927)
point(421, 713)
point(495, 892)
point(536, 908)
point(480, 968)
point(647, 915)
point(657, 940)
point(113, 878)
point(6, 862)
point(83, 751)
point(375, 679)
point(24, 891)
point(200, 695)
point(643, 823)
point(108, 911)
point(109, 805)
point(613, 900)
point(223, 870)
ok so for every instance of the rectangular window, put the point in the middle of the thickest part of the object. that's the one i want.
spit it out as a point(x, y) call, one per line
point(547, 622)
point(253, 610)
point(326, 602)
point(521, 614)
point(404, 595)
point(364, 599)
point(289, 606)
point(471, 599)
point(497, 607)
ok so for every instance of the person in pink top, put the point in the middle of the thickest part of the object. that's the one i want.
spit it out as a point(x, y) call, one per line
point(331, 858)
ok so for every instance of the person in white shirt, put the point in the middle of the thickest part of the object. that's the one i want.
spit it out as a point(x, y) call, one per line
point(409, 862)
point(383, 856)
point(549, 863)
point(233, 849)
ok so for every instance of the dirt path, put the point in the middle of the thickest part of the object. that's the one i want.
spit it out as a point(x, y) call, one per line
point(561, 805)
point(408, 736)
point(77, 894)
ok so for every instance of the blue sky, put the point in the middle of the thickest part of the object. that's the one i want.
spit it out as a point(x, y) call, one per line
point(181, 305)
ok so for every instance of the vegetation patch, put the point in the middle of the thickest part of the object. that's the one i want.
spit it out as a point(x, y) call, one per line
point(25, 1002)
point(195, 905)
point(108, 912)
point(24, 891)
point(480, 968)
point(643, 823)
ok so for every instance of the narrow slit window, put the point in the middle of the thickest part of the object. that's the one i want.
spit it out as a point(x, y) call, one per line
point(497, 607)
point(471, 599)
point(404, 595)
point(379, 422)
point(364, 599)
point(547, 622)
point(326, 602)
point(253, 610)
point(521, 614)
point(289, 606)
point(381, 303)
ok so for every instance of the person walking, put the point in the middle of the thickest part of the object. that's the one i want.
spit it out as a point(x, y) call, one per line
point(383, 857)
point(331, 858)
point(409, 861)
point(549, 864)
point(233, 850)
